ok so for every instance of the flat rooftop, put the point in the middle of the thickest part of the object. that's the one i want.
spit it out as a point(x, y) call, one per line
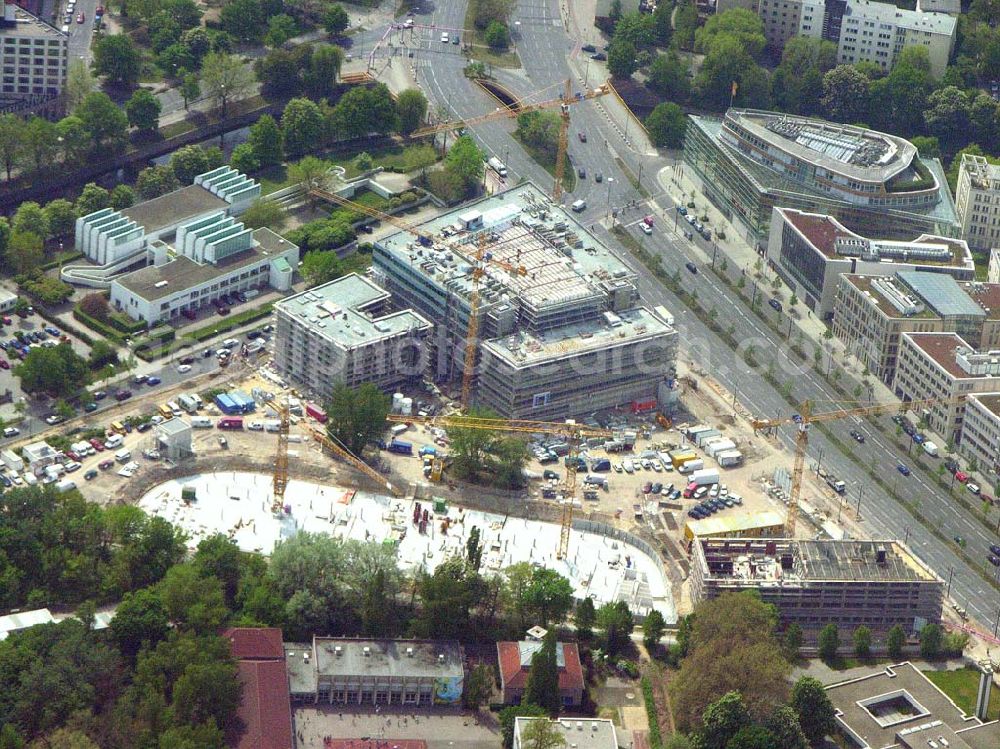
point(782, 560)
point(582, 733)
point(174, 207)
point(744, 521)
point(524, 349)
point(28, 25)
point(398, 658)
point(868, 708)
point(989, 401)
point(939, 23)
point(301, 671)
point(866, 155)
point(986, 295)
point(562, 262)
point(942, 292)
point(181, 272)
point(940, 348)
point(867, 285)
point(340, 312)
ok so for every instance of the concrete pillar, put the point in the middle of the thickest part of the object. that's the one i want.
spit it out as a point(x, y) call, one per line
point(983, 696)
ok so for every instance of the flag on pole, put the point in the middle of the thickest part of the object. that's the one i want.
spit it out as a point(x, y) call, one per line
point(734, 88)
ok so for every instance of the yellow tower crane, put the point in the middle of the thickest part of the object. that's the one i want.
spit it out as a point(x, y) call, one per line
point(573, 432)
point(345, 454)
point(281, 460)
point(806, 418)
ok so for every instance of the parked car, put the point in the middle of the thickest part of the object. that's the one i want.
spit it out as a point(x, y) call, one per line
point(152, 381)
point(81, 18)
point(646, 229)
point(588, 48)
point(106, 464)
point(90, 407)
point(857, 436)
point(691, 266)
point(961, 477)
point(91, 474)
point(187, 360)
point(775, 304)
point(9, 432)
point(599, 56)
point(53, 419)
point(122, 395)
point(972, 488)
point(99, 395)
point(183, 368)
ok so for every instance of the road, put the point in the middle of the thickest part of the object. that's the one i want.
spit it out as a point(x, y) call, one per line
point(543, 46)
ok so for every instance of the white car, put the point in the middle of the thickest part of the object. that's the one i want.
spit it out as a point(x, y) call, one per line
point(656, 465)
point(11, 431)
point(714, 491)
point(444, 37)
point(156, 419)
point(646, 229)
point(617, 467)
point(184, 368)
point(627, 465)
point(71, 466)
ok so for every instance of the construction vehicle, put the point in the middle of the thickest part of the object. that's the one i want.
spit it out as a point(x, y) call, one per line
point(345, 454)
point(806, 418)
point(573, 432)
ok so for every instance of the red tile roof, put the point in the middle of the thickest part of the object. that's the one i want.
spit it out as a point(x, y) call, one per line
point(255, 643)
point(374, 744)
point(513, 675)
point(821, 231)
point(265, 709)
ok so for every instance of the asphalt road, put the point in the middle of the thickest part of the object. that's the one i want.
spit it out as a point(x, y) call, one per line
point(543, 46)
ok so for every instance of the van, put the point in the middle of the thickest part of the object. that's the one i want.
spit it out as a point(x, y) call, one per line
point(115, 440)
point(595, 480)
point(579, 206)
point(165, 411)
point(123, 455)
point(201, 422)
point(230, 343)
point(601, 465)
point(65, 486)
point(398, 429)
point(117, 427)
point(175, 410)
point(29, 478)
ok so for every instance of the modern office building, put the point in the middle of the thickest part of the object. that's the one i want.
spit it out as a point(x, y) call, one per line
point(345, 332)
point(875, 184)
point(561, 326)
point(410, 673)
point(877, 32)
point(577, 733)
point(977, 202)
point(898, 707)
point(871, 312)
point(515, 663)
point(812, 252)
point(814, 583)
point(34, 57)
point(943, 366)
point(981, 431)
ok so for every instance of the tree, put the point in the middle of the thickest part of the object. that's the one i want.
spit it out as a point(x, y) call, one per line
point(154, 181)
point(497, 36)
point(225, 78)
point(75, 140)
point(542, 688)
point(302, 125)
point(31, 218)
point(244, 19)
point(666, 125)
point(793, 641)
point(542, 734)
point(478, 687)
point(928, 147)
point(264, 212)
point(189, 89)
point(931, 638)
point(488, 11)
point(621, 58)
point(207, 691)
point(846, 93)
point(143, 110)
point(662, 24)
point(783, 723)
point(92, 198)
point(267, 141)
point(118, 59)
point(320, 76)
point(103, 119)
point(723, 719)
point(220, 558)
point(188, 162)
point(536, 596)
point(652, 629)
point(140, 621)
point(509, 714)
point(465, 160)
point(585, 617)
point(862, 641)
point(730, 646)
point(669, 75)
point(11, 141)
point(79, 83)
point(448, 596)
point(24, 252)
point(948, 115)
point(309, 172)
point(727, 63)
point(903, 94)
point(363, 111)
point(829, 642)
point(411, 108)
point(985, 116)
point(895, 641)
point(243, 159)
point(797, 83)
point(192, 601)
point(335, 19)
point(356, 416)
point(61, 217)
point(280, 29)
point(281, 71)
point(742, 26)
point(58, 371)
point(41, 142)
point(813, 706)
point(540, 130)
point(616, 624)
point(637, 28)
point(101, 354)
point(753, 737)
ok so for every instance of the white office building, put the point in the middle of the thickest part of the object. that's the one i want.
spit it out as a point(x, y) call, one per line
point(34, 56)
point(977, 203)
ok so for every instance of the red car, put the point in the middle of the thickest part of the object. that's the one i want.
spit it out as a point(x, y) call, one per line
point(97, 445)
point(4, 364)
point(73, 456)
point(99, 11)
point(105, 464)
point(961, 477)
point(7, 320)
point(80, 18)
point(648, 221)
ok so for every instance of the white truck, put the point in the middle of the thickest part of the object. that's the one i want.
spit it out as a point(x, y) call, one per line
point(692, 466)
point(704, 477)
point(497, 166)
point(836, 484)
point(931, 449)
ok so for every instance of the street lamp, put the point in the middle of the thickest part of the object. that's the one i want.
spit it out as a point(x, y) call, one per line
point(610, 180)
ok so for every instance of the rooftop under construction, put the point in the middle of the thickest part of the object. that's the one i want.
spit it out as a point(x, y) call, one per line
point(239, 506)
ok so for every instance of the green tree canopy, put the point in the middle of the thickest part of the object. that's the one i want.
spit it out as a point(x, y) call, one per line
point(188, 162)
point(742, 26)
point(103, 119)
point(542, 688)
point(669, 75)
point(224, 78)
point(615, 622)
point(813, 706)
point(335, 19)
point(58, 371)
point(497, 36)
point(895, 641)
point(666, 125)
point(92, 198)
point(724, 719)
point(118, 59)
point(154, 181)
point(356, 415)
point(931, 641)
point(411, 108)
point(622, 58)
point(829, 642)
point(61, 216)
point(30, 217)
point(143, 110)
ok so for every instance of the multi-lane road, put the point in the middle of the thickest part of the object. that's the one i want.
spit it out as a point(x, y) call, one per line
point(545, 49)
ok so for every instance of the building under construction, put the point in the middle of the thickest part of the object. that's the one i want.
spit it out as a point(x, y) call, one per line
point(561, 327)
point(875, 583)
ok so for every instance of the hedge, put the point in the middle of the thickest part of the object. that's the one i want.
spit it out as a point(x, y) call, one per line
point(68, 257)
point(228, 323)
point(652, 714)
point(97, 326)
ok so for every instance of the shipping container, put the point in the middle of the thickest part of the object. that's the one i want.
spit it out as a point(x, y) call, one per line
point(679, 457)
point(316, 412)
point(64, 486)
point(400, 448)
point(704, 437)
point(272, 425)
point(230, 422)
point(428, 450)
point(639, 407)
point(720, 446)
point(398, 429)
point(729, 458)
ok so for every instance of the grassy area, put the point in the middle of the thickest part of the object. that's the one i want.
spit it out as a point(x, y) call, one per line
point(961, 685)
point(542, 159)
point(224, 324)
point(478, 49)
point(403, 159)
point(177, 128)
